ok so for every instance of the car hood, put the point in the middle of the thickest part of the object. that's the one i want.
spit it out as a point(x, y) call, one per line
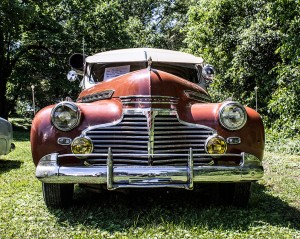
point(146, 83)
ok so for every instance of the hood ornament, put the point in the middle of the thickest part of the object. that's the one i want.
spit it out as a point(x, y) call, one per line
point(149, 63)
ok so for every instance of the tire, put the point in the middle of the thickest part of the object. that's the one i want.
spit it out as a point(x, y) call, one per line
point(58, 195)
point(236, 194)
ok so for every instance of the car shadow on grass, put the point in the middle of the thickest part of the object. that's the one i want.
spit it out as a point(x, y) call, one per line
point(113, 211)
point(7, 165)
point(21, 135)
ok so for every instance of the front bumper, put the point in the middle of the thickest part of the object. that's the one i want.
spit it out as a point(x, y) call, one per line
point(49, 171)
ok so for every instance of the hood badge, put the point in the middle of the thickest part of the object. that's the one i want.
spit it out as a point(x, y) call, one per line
point(107, 94)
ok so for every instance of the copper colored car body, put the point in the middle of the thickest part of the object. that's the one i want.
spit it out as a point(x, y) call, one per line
point(144, 119)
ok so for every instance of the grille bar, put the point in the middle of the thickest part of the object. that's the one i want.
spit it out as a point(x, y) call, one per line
point(120, 132)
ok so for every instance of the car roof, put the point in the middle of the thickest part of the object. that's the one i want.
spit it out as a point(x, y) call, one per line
point(142, 55)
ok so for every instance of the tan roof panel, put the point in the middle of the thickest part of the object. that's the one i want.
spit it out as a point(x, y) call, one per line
point(142, 55)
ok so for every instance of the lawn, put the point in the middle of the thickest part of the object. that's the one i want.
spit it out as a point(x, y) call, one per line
point(273, 212)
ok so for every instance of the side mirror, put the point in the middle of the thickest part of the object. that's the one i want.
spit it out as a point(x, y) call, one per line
point(72, 76)
point(77, 61)
point(208, 73)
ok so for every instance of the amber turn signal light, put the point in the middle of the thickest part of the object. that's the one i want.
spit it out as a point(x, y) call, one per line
point(82, 145)
point(215, 145)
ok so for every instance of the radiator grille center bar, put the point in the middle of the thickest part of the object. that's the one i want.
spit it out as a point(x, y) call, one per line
point(150, 132)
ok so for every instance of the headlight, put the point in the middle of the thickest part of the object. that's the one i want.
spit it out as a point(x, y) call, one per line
point(232, 116)
point(215, 145)
point(65, 116)
point(82, 145)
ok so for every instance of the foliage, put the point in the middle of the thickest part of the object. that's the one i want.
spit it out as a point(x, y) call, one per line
point(29, 39)
point(252, 43)
point(278, 142)
point(273, 211)
point(40, 36)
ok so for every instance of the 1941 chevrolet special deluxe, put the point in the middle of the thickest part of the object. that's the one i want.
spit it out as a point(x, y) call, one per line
point(144, 119)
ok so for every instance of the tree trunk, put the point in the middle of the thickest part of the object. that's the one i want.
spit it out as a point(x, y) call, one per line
point(3, 76)
point(3, 102)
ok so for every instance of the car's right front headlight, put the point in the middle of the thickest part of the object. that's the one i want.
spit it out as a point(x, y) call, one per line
point(65, 116)
point(232, 116)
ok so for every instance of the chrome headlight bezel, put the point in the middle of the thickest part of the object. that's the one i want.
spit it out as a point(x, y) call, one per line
point(223, 117)
point(70, 108)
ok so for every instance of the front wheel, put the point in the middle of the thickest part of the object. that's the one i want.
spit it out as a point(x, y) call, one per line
point(58, 195)
point(236, 194)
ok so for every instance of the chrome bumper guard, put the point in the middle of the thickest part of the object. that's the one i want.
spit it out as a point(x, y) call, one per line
point(49, 171)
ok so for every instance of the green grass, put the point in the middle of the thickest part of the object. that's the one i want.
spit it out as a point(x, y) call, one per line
point(273, 212)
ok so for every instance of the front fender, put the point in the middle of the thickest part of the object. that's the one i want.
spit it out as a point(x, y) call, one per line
point(44, 135)
point(252, 134)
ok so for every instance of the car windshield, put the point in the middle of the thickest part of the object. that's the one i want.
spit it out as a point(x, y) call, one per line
point(103, 72)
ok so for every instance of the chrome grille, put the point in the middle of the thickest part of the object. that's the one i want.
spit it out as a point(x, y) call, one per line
point(171, 136)
point(131, 136)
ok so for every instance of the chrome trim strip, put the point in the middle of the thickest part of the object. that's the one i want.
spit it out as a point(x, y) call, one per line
point(102, 125)
point(150, 116)
point(149, 96)
point(197, 125)
point(145, 155)
point(180, 136)
point(147, 102)
point(149, 99)
point(143, 111)
point(123, 137)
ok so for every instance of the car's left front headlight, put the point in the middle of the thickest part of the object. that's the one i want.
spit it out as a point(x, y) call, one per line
point(65, 116)
point(232, 116)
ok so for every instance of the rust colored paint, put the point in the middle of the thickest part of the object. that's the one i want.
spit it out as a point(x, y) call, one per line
point(252, 134)
point(44, 135)
point(145, 83)
point(166, 84)
point(135, 83)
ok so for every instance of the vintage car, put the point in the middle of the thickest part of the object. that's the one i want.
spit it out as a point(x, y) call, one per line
point(6, 137)
point(145, 120)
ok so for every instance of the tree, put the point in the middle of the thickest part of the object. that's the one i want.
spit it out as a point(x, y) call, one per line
point(24, 26)
point(161, 26)
point(38, 37)
point(251, 43)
